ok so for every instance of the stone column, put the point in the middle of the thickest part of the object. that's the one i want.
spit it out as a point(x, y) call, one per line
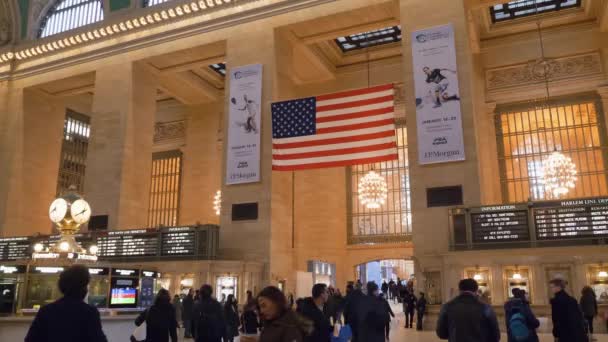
point(430, 225)
point(120, 152)
point(603, 92)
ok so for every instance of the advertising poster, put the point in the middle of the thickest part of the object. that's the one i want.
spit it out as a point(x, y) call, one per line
point(244, 125)
point(438, 112)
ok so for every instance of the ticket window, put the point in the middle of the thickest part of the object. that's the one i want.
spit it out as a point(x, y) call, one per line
point(226, 285)
point(11, 280)
point(598, 280)
point(517, 278)
point(482, 277)
point(186, 284)
point(99, 287)
point(42, 287)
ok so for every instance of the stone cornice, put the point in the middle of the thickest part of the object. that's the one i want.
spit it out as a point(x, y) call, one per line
point(153, 16)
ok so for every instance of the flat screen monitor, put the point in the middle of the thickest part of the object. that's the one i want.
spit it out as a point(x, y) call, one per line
point(123, 297)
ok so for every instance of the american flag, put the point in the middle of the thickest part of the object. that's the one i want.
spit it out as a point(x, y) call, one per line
point(347, 128)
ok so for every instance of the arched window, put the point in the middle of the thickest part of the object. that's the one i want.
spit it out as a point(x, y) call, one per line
point(148, 3)
point(66, 15)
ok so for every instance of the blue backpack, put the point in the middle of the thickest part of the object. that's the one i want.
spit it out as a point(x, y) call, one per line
point(517, 327)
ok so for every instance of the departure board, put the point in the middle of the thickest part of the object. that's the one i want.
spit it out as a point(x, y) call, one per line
point(571, 219)
point(14, 248)
point(504, 223)
point(128, 243)
point(178, 241)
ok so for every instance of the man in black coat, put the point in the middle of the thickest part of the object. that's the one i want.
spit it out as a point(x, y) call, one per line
point(568, 323)
point(68, 319)
point(188, 314)
point(314, 308)
point(466, 318)
point(352, 304)
point(209, 317)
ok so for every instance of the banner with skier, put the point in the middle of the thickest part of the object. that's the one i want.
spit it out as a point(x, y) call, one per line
point(438, 112)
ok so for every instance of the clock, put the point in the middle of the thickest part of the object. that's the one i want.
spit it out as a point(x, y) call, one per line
point(81, 211)
point(58, 210)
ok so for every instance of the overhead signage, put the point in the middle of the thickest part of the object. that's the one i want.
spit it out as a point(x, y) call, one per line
point(438, 112)
point(14, 248)
point(47, 270)
point(125, 272)
point(99, 271)
point(571, 219)
point(244, 125)
point(178, 241)
point(17, 269)
point(129, 243)
point(500, 224)
point(149, 274)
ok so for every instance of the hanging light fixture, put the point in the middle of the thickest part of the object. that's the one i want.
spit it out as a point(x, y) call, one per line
point(559, 174)
point(373, 190)
point(217, 202)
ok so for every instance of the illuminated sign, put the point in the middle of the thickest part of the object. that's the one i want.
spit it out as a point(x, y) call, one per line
point(125, 272)
point(12, 269)
point(48, 270)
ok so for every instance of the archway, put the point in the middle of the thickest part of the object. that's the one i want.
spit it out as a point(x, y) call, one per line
point(385, 270)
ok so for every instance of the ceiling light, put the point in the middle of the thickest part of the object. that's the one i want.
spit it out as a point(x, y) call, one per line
point(38, 247)
point(93, 249)
point(517, 276)
point(217, 202)
point(477, 277)
point(602, 274)
point(64, 246)
point(372, 190)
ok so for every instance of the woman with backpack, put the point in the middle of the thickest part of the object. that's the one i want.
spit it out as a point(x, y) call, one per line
point(519, 318)
point(588, 305)
point(160, 319)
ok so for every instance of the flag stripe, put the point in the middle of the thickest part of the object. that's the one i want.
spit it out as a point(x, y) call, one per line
point(368, 148)
point(351, 144)
point(355, 126)
point(383, 117)
point(388, 92)
point(388, 104)
point(354, 92)
point(353, 156)
point(373, 112)
point(354, 104)
point(337, 140)
point(334, 164)
point(325, 137)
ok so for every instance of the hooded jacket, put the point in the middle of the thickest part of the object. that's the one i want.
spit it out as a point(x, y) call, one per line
point(289, 327)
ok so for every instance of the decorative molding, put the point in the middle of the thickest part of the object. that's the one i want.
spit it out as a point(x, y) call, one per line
point(170, 131)
point(399, 93)
point(533, 72)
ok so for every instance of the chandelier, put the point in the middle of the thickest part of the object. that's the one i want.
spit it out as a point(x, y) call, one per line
point(559, 174)
point(217, 202)
point(373, 190)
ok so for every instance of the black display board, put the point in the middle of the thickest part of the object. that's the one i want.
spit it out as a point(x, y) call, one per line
point(504, 223)
point(14, 248)
point(128, 243)
point(178, 241)
point(571, 219)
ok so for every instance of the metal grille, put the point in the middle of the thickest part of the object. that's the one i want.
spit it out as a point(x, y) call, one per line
point(76, 132)
point(527, 134)
point(165, 189)
point(523, 8)
point(393, 221)
point(148, 3)
point(220, 68)
point(369, 39)
point(69, 14)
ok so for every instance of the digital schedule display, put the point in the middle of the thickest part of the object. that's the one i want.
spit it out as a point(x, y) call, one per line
point(506, 223)
point(178, 241)
point(571, 219)
point(14, 248)
point(128, 243)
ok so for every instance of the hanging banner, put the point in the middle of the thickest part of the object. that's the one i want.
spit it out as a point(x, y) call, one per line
point(438, 114)
point(244, 125)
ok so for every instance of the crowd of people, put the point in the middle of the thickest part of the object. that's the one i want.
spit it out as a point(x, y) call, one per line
point(363, 314)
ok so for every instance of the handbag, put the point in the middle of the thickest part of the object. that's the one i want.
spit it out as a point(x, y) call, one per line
point(139, 334)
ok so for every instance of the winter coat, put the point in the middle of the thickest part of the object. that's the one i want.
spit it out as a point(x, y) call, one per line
point(421, 305)
point(589, 305)
point(516, 305)
point(352, 303)
point(384, 288)
point(188, 308)
point(232, 321)
point(160, 323)
point(388, 310)
point(568, 322)
point(67, 319)
point(289, 327)
point(210, 325)
point(322, 328)
point(372, 320)
point(467, 319)
point(409, 302)
point(249, 322)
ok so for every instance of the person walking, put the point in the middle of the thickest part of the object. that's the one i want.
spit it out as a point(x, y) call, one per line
point(371, 316)
point(388, 314)
point(315, 309)
point(208, 317)
point(231, 313)
point(160, 319)
point(249, 319)
point(188, 314)
point(177, 306)
point(384, 287)
point(588, 305)
point(409, 307)
point(280, 324)
point(568, 321)
point(420, 310)
point(466, 319)
point(68, 319)
point(519, 319)
point(352, 304)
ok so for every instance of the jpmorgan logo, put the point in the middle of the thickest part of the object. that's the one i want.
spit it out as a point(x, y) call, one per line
point(440, 141)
